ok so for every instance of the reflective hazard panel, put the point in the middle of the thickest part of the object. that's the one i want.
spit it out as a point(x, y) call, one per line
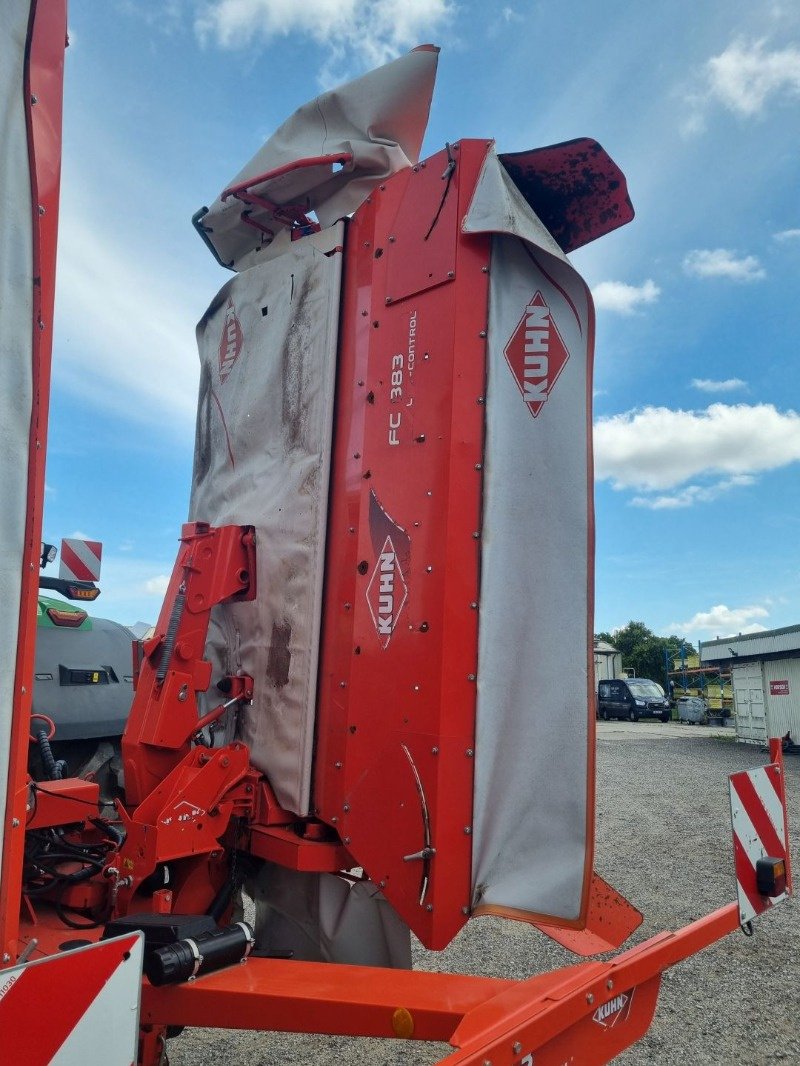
point(759, 839)
point(65, 1008)
point(80, 559)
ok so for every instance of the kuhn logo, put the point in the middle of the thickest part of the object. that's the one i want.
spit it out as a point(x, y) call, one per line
point(387, 592)
point(230, 343)
point(608, 1014)
point(536, 354)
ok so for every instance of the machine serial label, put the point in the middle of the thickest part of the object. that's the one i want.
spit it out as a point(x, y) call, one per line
point(7, 985)
point(402, 366)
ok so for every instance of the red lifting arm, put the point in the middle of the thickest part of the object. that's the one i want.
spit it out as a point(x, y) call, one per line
point(214, 565)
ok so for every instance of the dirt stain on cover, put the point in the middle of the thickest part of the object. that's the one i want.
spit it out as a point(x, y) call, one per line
point(280, 657)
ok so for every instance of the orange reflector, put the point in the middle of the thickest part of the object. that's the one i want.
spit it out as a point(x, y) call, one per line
point(771, 876)
point(403, 1023)
point(73, 619)
point(83, 594)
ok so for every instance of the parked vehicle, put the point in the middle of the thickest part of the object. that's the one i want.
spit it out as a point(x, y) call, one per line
point(82, 690)
point(632, 698)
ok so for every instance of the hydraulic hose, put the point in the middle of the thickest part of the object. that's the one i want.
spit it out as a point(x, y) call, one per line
point(54, 769)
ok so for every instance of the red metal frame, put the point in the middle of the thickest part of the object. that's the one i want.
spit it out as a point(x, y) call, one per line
point(180, 799)
point(292, 214)
point(407, 466)
point(43, 92)
point(547, 1018)
point(213, 565)
point(53, 803)
point(242, 188)
point(589, 1012)
point(776, 756)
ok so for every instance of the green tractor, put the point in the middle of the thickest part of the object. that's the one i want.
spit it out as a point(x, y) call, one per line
point(83, 687)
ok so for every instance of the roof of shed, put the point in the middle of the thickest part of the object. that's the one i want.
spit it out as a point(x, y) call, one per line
point(751, 645)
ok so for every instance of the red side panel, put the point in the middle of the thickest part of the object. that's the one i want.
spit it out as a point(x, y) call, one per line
point(44, 71)
point(610, 920)
point(399, 647)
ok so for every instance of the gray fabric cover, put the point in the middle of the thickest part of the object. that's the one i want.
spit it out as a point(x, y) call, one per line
point(531, 847)
point(325, 918)
point(262, 458)
point(379, 118)
point(16, 310)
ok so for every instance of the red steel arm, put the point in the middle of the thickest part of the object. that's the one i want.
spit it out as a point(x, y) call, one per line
point(214, 565)
point(551, 1019)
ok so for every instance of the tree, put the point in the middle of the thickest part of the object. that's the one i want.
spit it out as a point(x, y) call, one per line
point(644, 652)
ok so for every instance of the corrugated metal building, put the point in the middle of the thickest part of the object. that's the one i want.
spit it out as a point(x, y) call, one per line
point(765, 677)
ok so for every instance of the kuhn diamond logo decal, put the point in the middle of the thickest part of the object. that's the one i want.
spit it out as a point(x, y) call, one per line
point(536, 354)
point(230, 343)
point(617, 1009)
point(387, 592)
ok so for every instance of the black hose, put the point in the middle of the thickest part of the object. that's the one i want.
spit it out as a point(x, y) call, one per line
point(73, 923)
point(221, 901)
point(53, 770)
point(61, 912)
point(114, 834)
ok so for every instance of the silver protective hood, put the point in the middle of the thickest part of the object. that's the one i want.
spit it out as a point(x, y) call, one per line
point(534, 775)
point(377, 120)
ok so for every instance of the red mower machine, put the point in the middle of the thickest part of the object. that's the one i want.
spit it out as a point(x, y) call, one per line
point(342, 714)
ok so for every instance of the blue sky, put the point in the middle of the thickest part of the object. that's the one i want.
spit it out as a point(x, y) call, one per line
point(697, 393)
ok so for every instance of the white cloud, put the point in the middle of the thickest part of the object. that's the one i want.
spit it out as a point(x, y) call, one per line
point(622, 298)
point(373, 30)
point(657, 448)
point(78, 535)
point(692, 494)
point(156, 586)
point(787, 235)
point(510, 15)
point(746, 75)
point(694, 120)
point(125, 332)
point(723, 263)
point(723, 621)
point(708, 385)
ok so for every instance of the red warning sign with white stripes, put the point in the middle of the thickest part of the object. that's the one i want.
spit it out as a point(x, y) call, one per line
point(79, 1006)
point(759, 832)
point(80, 559)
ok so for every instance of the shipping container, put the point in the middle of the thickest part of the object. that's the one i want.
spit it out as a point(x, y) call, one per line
point(765, 675)
point(782, 695)
point(749, 704)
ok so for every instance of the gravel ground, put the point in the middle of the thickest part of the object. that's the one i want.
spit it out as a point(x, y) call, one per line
point(663, 840)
